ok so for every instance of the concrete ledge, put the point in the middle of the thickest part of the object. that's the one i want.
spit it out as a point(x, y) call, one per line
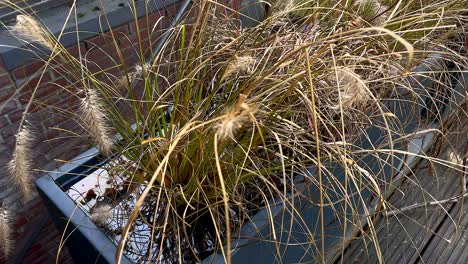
point(15, 52)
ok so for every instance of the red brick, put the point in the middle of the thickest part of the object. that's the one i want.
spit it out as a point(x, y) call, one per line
point(55, 136)
point(46, 147)
point(129, 50)
point(119, 31)
point(31, 84)
point(73, 50)
point(172, 10)
point(49, 134)
point(2, 65)
point(70, 103)
point(8, 133)
point(44, 91)
point(21, 221)
point(70, 125)
point(61, 70)
point(148, 23)
point(133, 43)
point(8, 107)
point(5, 80)
point(157, 20)
point(3, 122)
point(35, 248)
point(131, 60)
point(60, 99)
point(466, 43)
point(98, 41)
point(44, 163)
point(74, 148)
point(6, 93)
point(16, 116)
point(36, 257)
point(67, 74)
point(35, 206)
point(38, 260)
point(106, 38)
point(93, 67)
point(130, 42)
point(107, 62)
point(97, 53)
point(27, 70)
point(20, 230)
point(61, 83)
point(131, 56)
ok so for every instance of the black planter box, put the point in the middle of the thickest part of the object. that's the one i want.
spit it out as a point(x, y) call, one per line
point(85, 241)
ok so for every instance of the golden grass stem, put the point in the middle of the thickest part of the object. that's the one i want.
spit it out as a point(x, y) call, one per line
point(225, 200)
point(319, 162)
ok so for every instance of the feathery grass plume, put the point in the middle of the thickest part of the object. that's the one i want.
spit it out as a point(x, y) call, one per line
point(19, 167)
point(368, 8)
point(5, 232)
point(139, 68)
point(137, 73)
point(93, 116)
point(241, 64)
point(354, 92)
point(454, 157)
point(235, 119)
point(29, 28)
point(101, 213)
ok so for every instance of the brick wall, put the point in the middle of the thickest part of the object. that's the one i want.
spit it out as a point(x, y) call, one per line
point(36, 239)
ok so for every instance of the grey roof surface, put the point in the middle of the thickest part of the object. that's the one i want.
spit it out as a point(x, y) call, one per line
point(429, 234)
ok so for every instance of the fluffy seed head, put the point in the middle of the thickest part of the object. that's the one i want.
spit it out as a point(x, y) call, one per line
point(100, 214)
point(353, 90)
point(19, 167)
point(368, 8)
point(93, 117)
point(235, 119)
point(138, 72)
point(455, 157)
point(241, 64)
point(32, 30)
point(132, 76)
point(5, 232)
point(139, 69)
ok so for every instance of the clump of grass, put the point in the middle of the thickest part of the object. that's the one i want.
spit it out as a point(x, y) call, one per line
point(226, 118)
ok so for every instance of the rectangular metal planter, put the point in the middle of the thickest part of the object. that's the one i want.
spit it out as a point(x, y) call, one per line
point(85, 241)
